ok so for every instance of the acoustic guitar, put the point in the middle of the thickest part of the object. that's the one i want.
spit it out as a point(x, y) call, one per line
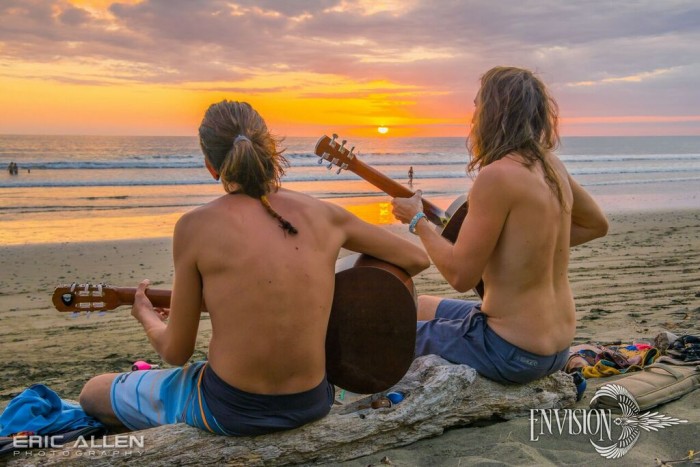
point(447, 222)
point(370, 342)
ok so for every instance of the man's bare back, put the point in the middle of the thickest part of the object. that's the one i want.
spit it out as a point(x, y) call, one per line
point(258, 284)
point(529, 301)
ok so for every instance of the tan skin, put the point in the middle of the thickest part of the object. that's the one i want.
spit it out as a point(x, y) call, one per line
point(268, 294)
point(517, 237)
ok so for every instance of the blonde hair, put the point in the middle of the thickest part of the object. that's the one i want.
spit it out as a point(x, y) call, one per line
point(235, 140)
point(515, 114)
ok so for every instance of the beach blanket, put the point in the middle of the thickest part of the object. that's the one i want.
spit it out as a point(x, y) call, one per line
point(39, 410)
point(596, 361)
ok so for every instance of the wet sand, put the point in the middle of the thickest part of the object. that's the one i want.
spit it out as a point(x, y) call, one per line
point(643, 278)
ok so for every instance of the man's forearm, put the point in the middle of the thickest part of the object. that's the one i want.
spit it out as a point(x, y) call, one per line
point(439, 249)
point(155, 331)
point(581, 234)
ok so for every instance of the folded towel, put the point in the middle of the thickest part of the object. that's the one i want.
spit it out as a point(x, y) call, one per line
point(41, 411)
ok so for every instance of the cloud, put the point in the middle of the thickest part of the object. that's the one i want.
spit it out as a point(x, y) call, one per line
point(617, 49)
point(636, 78)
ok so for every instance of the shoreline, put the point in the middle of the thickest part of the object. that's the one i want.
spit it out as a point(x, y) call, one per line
point(644, 276)
point(139, 223)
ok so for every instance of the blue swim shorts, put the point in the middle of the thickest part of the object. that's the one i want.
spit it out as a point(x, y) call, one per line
point(195, 395)
point(459, 333)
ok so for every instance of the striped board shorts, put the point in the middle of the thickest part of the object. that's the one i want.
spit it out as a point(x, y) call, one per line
point(146, 399)
point(195, 395)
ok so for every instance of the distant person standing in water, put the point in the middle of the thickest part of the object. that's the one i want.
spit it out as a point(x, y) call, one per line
point(410, 175)
point(525, 212)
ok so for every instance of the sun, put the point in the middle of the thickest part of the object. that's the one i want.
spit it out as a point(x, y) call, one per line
point(383, 130)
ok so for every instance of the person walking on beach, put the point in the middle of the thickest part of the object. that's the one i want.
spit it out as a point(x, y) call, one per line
point(525, 212)
point(410, 176)
point(263, 259)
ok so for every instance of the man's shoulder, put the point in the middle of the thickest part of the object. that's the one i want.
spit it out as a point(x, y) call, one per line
point(501, 171)
point(200, 214)
point(298, 196)
point(303, 199)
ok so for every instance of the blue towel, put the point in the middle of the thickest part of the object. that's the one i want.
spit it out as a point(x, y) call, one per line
point(38, 409)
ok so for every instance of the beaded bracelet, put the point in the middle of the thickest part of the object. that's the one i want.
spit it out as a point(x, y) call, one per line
point(414, 222)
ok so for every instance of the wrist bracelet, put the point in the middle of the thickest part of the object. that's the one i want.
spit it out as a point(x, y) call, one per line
point(414, 222)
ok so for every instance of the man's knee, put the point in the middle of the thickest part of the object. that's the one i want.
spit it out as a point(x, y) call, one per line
point(427, 306)
point(95, 396)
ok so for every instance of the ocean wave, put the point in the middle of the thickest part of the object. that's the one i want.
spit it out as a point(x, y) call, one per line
point(164, 163)
point(331, 176)
point(629, 158)
point(642, 181)
point(97, 183)
point(306, 160)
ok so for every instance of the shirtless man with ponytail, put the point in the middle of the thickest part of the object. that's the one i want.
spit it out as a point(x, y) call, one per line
point(263, 259)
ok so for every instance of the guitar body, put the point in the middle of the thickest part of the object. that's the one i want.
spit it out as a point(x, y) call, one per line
point(370, 342)
point(457, 212)
point(371, 336)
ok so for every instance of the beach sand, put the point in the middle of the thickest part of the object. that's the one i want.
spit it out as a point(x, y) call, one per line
point(643, 278)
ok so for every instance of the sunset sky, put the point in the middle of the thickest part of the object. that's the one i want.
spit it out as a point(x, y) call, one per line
point(151, 67)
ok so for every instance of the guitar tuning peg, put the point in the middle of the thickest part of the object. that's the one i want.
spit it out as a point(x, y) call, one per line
point(329, 166)
point(337, 172)
point(343, 144)
point(320, 161)
point(334, 138)
point(351, 150)
point(343, 166)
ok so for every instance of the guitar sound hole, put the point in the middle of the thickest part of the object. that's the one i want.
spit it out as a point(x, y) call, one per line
point(67, 298)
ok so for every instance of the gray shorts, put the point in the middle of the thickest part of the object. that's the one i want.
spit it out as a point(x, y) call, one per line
point(459, 334)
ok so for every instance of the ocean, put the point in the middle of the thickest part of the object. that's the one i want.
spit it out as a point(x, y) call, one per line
point(77, 188)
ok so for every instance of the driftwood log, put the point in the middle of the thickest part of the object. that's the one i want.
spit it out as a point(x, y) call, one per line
point(439, 395)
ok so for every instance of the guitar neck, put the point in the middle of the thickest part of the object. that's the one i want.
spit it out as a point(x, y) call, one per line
point(394, 189)
point(160, 298)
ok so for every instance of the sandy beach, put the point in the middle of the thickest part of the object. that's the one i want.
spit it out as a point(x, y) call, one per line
point(643, 278)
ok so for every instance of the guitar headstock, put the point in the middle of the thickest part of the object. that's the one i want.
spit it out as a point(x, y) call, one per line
point(335, 153)
point(85, 297)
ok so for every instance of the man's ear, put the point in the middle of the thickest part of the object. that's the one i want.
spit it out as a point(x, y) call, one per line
point(211, 170)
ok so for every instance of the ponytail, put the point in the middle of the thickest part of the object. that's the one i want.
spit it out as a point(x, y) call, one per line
point(244, 166)
point(238, 145)
point(284, 224)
